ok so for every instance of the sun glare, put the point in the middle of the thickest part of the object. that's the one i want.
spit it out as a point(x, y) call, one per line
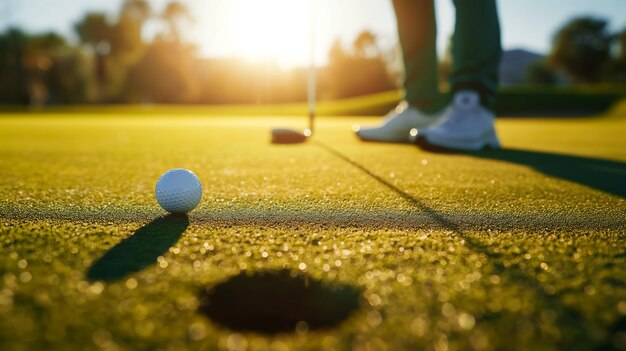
point(277, 30)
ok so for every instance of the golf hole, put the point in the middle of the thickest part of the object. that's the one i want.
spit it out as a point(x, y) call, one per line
point(279, 301)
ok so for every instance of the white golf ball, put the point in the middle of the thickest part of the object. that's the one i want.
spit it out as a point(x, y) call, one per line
point(178, 191)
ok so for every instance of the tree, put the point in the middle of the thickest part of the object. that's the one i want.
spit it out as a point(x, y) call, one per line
point(116, 44)
point(40, 69)
point(93, 29)
point(13, 73)
point(163, 74)
point(359, 71)
point(540, 73)
point(365, 45)
point(616, 70)
point(139, 10)
point(621, 41)
point(582, 48)
point(174, 15)
point(126, 34)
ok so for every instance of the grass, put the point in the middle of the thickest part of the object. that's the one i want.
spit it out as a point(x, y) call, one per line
point(515, 249)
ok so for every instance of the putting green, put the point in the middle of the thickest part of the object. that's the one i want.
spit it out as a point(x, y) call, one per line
point(515, 248)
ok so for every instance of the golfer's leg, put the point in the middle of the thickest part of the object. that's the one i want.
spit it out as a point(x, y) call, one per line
point(418, 32)
point(476, 49)
point(470, 123)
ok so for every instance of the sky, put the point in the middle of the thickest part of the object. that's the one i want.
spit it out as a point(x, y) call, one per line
point(240, 28)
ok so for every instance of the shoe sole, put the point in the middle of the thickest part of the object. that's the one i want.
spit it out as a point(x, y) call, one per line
point(489, 141)
point(405, 140)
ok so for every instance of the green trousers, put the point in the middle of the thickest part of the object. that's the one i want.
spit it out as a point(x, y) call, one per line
point(476, 51)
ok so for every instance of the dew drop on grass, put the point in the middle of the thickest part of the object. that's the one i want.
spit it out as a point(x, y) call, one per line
point(26, 277)
point(374, 318)
point(419, 326)
point(131, 283)
point(466, 321)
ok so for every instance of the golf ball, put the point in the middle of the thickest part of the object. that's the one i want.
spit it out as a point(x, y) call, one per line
point(178, 191)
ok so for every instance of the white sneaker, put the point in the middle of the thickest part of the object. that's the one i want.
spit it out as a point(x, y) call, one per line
point(466, 125)
point(397, 125)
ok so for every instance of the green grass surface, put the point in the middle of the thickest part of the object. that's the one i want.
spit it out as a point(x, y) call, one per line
point(522, 248)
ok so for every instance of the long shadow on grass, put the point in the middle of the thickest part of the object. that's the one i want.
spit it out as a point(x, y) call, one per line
point(604, 175)
point(139, 250)
point(568, 317)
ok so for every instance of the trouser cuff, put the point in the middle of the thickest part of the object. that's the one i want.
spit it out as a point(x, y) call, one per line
point(487, 96)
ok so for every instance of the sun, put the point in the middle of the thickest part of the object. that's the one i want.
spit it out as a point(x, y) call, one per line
point(276, 30)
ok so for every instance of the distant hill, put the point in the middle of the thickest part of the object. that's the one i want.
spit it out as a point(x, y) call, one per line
point(514, 64)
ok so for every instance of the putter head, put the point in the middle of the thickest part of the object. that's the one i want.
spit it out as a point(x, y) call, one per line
point(289, 136)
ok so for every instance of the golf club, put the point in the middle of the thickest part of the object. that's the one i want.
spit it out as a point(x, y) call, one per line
point(291, 136)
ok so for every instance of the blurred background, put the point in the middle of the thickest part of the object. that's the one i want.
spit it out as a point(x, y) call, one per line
point(560, 56)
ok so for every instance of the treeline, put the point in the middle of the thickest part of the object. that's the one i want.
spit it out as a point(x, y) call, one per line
point(584, 51)
point(113, 64)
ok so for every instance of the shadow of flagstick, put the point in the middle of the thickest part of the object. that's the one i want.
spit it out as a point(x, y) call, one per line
point(140, 249)
point(601, 174)
point(605, 175)
point(568, 317)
